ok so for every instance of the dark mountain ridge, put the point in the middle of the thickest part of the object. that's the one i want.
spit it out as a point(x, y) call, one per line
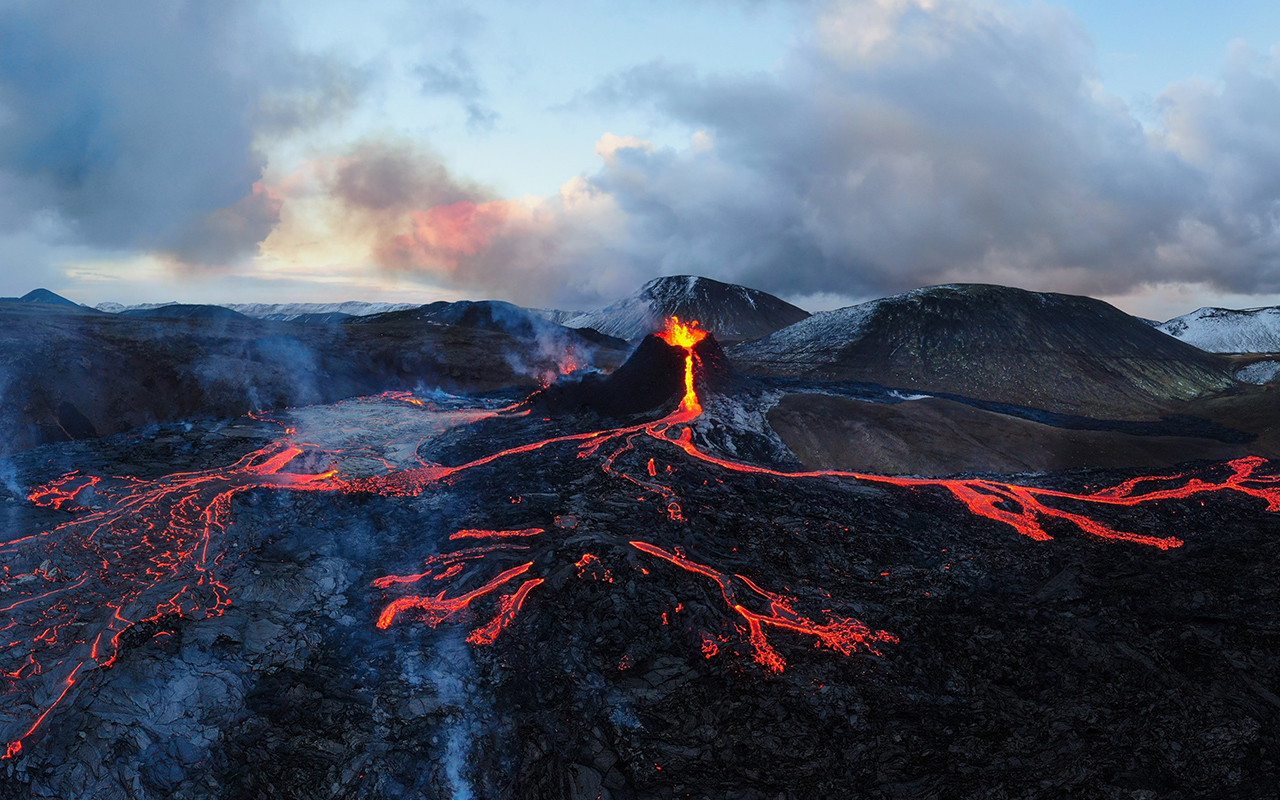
point(1057, 352)
point(43, 300)
point(184, 311)
point(495, 315)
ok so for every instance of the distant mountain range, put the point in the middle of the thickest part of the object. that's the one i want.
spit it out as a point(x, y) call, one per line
point(280, 312)
point(993, 345)
point(1225, 330)
point(183, 311)
point(735, 313)
point(490, 315)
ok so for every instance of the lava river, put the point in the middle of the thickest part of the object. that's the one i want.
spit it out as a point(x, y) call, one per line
point(137, 550)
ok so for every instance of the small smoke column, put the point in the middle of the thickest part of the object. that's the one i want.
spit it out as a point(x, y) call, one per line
point(453, 674)
point(556, 352)
point(8, 477)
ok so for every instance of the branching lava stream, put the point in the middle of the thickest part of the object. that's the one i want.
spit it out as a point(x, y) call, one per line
point(138, 550)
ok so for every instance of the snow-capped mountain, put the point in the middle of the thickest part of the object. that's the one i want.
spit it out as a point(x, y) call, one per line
point(287, 312)
point(281, 312)
point(733, 313)
point(116, 308)
point(1225, 330)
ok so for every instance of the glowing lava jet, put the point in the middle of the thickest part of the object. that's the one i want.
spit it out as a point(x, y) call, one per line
point(139, 550)
point(686, 335)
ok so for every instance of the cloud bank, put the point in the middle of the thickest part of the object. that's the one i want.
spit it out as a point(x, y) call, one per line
point(139, 125)
point(901, 143)
point(906, 142)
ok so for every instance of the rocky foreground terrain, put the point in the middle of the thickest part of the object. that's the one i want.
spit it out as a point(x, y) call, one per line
point(911, 647)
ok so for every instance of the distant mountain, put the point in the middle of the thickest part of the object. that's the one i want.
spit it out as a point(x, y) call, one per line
point(289, 312)
point(47, 298)
point(101, 373)
point(494, 315)
point(43, 301)
point(116, 308)
point(184, 311)
point(281, 312)
point(1050, 351)
point(733, 313)
point(488, 314)
point(1225, 330)
point(318, 318)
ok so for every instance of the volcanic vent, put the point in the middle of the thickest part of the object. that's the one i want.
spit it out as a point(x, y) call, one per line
point(654, 377)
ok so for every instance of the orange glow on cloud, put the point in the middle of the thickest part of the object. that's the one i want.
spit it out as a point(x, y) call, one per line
point(440, 235)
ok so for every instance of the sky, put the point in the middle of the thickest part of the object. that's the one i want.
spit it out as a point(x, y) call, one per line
point(560, 154)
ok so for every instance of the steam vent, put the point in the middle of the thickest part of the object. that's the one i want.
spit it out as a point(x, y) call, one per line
point(544, 562)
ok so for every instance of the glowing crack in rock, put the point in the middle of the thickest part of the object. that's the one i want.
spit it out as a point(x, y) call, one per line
point(138, 550)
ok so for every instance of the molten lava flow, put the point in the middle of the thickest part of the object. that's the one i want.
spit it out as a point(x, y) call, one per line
point(709, 646)
point(1023, 507)
point(145, 549)
point(590, 566)
point(439, 608)
point(845, 636)
point(475, 533)
point(153, 550)
point(508, 607)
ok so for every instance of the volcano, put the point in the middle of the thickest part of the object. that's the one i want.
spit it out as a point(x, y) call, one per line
point(652, 378)
point(735, 313)
point(1056, 352)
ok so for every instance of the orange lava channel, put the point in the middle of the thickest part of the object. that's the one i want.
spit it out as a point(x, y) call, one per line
point(845, 636)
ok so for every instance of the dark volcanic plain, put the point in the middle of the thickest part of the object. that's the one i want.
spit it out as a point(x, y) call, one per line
point(1073, 667)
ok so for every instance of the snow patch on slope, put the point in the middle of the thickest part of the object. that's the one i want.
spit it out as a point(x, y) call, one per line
point(1259, 373)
